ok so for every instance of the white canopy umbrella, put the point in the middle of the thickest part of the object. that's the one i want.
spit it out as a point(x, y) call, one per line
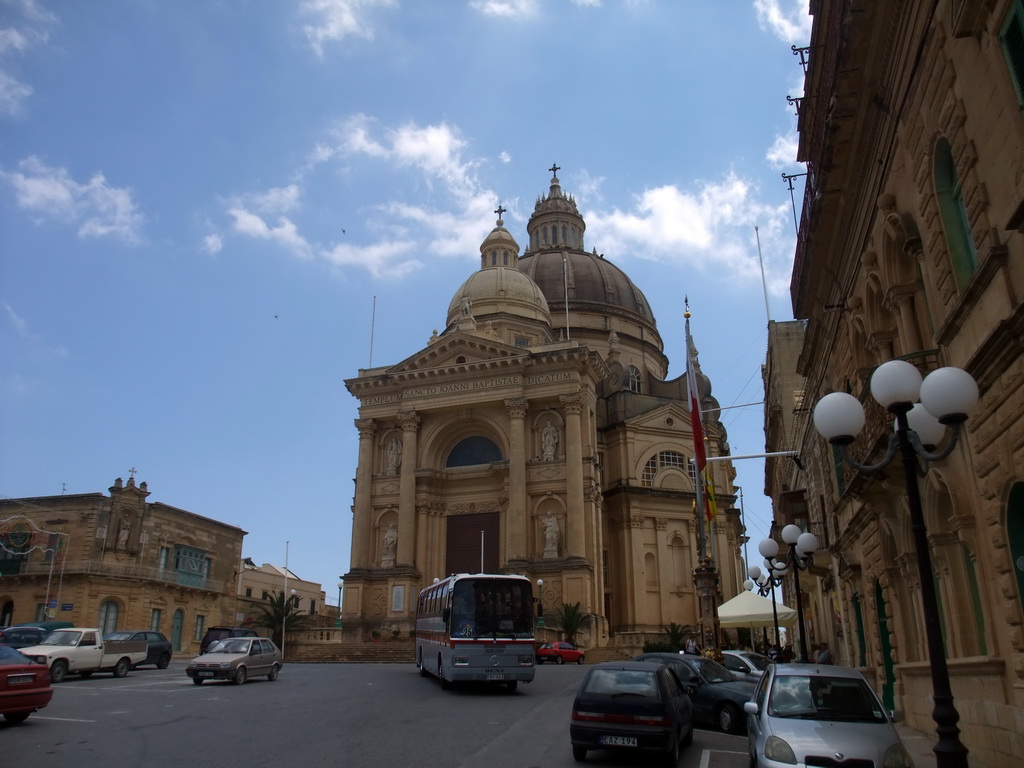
point(748, 609)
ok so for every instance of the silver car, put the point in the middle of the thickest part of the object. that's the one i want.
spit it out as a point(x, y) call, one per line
point(805, 714)
point(746, 665)
point(236, 659)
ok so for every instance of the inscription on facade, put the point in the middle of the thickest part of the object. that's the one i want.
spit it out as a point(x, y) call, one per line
point(548, 378)
point(448, 389)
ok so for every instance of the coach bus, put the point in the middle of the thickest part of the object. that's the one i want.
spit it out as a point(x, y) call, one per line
point(476, 627)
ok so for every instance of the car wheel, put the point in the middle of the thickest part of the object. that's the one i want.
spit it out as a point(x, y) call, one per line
point(122, 667)
point(241, 675)
point(688, 738)
point(164, 661)
point(728, 718)
point(579, 754)
point(16, 717)
point(58, 671)
point(559, 660)
point(580, 659)
point(672, 756)
point(197, 681)
point(274, 670)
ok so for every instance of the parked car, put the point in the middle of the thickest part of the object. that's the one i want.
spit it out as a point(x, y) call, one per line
point(213, 634)
point(746, 665)
point(718, 697)
point(24, 685)
point(806, 714)
point(559, 653)
point(632, 707)
point(22, 637)
point(158, 647)
point(236, 659)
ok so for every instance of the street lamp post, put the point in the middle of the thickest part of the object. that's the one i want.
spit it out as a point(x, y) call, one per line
point(765, 583)
point(947, 396)
point(705, 580)
point(802, 546)
point(540, 602)
point(340, 585)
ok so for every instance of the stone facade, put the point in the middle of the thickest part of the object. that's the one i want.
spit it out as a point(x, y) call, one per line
point(117, 562)
point(537, 434)
point(256, 583)
point(910, 246)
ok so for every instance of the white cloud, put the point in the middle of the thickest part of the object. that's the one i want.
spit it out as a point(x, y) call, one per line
point(21, 328)
point(504, 157)
point(213, 244)
point(25, 30)
point(509, 9)
point(96, 207)
point(284, 233)
point(782, 154)
point(792, 26)
point(339, 19)
point(383, 259)
point(277, 199)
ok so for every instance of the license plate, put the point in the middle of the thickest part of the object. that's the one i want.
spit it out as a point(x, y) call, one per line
point(204, 674)
point(495, 677)
point(20, 679)
point(618, 741)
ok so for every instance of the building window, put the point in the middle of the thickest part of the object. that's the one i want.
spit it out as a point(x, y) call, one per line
point(265, 595)
point(164, 554)
point(40, 612)
point(522, 341)
point(661, 461)
point(248, 591)
point(953, 211)
point(472, 451)
point(1012, 38)
point(155, 617)
point(633, 381)
point(191, 566)
point(312, 607)
point(200, 627)
point(108, 617)
point(494, 259)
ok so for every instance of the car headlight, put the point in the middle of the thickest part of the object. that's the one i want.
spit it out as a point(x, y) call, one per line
point(42, 660)
point(224, 665)
point(778, 750)
point(897, 756)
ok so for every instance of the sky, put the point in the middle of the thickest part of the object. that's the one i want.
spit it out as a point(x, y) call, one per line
point(213, 212)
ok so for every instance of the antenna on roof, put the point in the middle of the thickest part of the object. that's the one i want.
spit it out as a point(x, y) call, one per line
point(373, 319)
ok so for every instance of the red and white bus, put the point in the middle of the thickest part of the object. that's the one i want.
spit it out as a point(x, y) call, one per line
point(476, 627)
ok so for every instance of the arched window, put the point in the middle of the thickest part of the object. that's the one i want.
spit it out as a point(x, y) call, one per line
point(633, 380)
point(108, 617)
point(949, 191)
point(662, 460)
point(472, 451)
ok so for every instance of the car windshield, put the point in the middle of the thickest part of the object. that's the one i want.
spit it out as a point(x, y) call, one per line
point(118, 636)
point(10, 656)
point(233, 645)
point(61, 637)
point(617, 683)
point(810, 697)
point(712, 671)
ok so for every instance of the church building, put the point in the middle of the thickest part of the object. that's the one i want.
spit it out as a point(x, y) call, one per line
point(538, 435)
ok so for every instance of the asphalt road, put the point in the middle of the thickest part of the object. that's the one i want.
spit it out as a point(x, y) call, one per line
point(315, 715)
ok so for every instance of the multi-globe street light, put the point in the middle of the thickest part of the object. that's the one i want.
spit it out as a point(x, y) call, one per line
point(765, 583)
point(802, 546)
point(947, 397)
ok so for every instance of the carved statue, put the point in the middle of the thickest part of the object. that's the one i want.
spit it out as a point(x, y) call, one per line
point(549, 441)
point(124, 530)
point(550, 536)
point(394, 455)
point(466, 305)
point(387, 558)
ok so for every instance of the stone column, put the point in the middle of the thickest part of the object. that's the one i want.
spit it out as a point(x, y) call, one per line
point(903, 297)
point(518, 514)
point(362, 557)
point(574, 545)
point(410, 422)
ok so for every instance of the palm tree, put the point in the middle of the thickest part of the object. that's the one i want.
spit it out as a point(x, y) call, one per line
point(569, 619)
point(279, 614)
point(677, 634)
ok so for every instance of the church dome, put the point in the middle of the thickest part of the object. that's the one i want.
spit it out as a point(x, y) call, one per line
point(499, 288)
point(556, 256)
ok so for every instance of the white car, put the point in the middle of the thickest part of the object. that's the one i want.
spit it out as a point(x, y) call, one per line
point(746, 665)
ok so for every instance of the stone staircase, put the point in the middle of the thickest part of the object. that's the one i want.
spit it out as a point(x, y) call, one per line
point(599, 655)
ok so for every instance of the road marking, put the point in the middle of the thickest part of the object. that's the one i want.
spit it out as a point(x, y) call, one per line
point(63, 719)
point(705, 755)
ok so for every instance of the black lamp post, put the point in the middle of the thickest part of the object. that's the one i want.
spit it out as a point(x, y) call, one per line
point(765, 583)
point(802, 546)
point(948, 396)
point(705, 579)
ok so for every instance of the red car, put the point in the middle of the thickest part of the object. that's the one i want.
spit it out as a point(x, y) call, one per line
point(559, 653)
point(24, 685)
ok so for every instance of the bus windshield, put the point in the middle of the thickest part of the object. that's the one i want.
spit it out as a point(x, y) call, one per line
point(491, 608)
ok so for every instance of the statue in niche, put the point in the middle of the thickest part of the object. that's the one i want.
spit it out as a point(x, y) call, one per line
point(387, 558)
point(124, 532)
point(394, 455)
point(549, 441)
point(550, 536)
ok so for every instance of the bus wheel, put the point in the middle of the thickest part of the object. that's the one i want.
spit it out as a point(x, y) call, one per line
point(419, 663)
point(445, 685)
point(511, 685)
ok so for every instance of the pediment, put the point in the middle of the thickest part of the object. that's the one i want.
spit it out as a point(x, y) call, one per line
point(457, 349)
point(670, 416)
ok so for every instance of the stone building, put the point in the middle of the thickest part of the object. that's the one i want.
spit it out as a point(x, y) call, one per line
point(117, 562)
point(257, 583)
point(910, 246)
point(537, 434)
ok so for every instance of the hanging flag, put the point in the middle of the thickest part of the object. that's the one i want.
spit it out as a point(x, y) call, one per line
point(709, 492)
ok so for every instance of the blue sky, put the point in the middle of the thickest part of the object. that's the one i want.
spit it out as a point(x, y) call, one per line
point(200, 200)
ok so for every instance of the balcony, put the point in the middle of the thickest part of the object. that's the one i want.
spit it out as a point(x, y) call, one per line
point(128, 572)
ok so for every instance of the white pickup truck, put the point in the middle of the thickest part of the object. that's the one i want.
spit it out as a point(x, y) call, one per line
point(82, 651)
